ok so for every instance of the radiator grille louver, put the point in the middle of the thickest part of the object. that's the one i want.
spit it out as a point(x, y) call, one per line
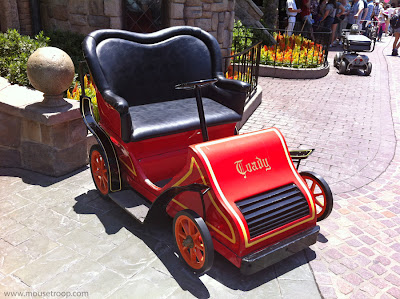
point(273, 209)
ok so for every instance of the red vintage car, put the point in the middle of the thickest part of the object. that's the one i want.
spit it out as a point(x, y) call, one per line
point(168, 148)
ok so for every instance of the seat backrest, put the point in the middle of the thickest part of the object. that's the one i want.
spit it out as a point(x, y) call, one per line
point(144, 68)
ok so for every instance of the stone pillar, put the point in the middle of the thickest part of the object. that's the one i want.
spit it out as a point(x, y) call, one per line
point(48, 140)
point(213, 16)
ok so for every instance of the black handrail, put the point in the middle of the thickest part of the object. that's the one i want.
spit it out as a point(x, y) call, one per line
point(245, 65)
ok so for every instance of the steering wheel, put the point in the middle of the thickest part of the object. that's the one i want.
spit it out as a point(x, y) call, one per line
point(193, 84)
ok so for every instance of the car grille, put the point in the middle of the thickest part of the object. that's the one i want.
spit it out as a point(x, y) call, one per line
point(273, 209)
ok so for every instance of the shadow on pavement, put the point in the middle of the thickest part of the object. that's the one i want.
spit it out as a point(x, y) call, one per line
point(34, 178)
point(161, 242)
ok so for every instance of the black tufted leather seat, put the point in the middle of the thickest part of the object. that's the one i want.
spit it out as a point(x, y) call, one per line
point(137, 73)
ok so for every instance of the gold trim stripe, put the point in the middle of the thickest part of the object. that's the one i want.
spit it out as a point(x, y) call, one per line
point(192, 163)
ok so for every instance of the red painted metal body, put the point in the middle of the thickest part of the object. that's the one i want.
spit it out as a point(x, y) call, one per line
point(234, 167)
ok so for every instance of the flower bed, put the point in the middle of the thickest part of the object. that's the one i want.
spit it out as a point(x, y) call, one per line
point(294, 51)
point(90, 91)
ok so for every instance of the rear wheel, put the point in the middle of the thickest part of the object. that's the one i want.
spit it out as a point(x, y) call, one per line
point(321, 193)
point(368, 69)
point(193, 240)
point(99, 170)
point(342, 67)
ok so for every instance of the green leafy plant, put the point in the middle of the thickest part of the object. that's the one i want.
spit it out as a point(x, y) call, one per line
point(15, 50)
point(69, 42)
point(242, 37)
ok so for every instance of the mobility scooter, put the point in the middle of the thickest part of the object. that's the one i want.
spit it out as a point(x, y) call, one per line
point(354, 41)
point(168, 151)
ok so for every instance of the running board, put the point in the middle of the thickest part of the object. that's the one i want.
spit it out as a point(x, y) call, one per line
point(131, 202)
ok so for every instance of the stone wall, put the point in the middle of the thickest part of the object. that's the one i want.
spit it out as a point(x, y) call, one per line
point(16, 14)
point(214, 16)
point(25, 19)
point(82, 16)
point(9, 15)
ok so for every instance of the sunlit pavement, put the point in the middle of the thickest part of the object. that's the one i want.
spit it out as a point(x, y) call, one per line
point(352, 121)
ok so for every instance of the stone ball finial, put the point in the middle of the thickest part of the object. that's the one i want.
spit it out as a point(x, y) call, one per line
point(51, 71)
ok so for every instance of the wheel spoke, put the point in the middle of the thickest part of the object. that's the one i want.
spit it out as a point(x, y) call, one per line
point(192, 255)
point(185, 227)
point(199, 256)
point(312, 189)
point(318, 203)
point(192, 229)
point(199, 246)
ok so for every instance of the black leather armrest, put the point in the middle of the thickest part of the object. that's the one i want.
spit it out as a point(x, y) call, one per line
point(233, 85)
point(119, 103)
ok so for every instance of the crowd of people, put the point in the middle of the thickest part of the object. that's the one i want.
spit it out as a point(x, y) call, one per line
point(335, 15)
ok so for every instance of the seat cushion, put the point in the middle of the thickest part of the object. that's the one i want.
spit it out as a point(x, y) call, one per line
point(166, 118)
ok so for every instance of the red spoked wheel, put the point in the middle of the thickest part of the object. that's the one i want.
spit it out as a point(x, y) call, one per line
point(99, 170)
point(321, 192)
point(193, 240)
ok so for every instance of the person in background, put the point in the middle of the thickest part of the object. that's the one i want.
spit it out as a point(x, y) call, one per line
point(314, 9)
point(321, 10)
point(343, 18)
point(306, 17)
point(291, 12)
point(396, 32)
point(381, 24)
point(368, 15)
point(377, 9)
point(390, 9)
point(364, 12)
point(354, 13)
point(329, 14)
point(339, 12)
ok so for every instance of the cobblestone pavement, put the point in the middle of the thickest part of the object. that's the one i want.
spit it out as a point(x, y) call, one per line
point(352, 122)
point(59, 235)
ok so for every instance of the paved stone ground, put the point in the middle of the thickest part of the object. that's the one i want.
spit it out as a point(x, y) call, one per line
point(59, 235)
point(353, 123)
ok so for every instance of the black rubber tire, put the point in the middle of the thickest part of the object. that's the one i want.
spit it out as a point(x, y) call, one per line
point(206, 239)
point(342, 67)
point(368, 69)
point(97, 150)
point(337, 59)
point(318, 181)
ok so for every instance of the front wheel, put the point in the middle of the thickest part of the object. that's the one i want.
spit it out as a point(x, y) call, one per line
point(193, 240)
point(99, 170)
point(337, 59)
point(368, 69)
point(321, 193)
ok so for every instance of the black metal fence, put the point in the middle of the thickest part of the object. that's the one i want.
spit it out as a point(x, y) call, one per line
point(243, 63)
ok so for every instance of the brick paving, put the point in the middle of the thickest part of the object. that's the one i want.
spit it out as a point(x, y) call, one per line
point(59, 235)
point(352, 122)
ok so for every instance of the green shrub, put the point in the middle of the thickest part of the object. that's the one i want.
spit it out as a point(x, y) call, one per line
point(70, 42)
point(15, 50)
point(242, 37)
